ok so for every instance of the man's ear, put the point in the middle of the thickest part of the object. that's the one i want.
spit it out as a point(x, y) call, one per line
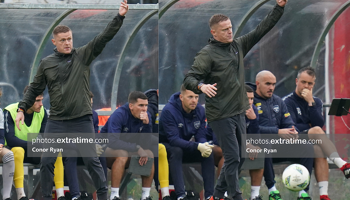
point(181, 97)
point(53, 41)
point(212, 31)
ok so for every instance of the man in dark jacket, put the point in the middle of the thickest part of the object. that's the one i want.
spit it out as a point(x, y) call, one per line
point(274, 118)
point(306, 111)
point(252, 122)
point(180, 120)
point(122, 143)
point(66, 73)
point(220, 66)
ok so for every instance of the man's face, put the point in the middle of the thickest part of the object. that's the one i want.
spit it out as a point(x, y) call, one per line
point(266, 86)
point(305, 81)
point(63, 42)
point(189, 100)
point(139, 106)
point(37, 105)
point(222, 31)
point(250, 98)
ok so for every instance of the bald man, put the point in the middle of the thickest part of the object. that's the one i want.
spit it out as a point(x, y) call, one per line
point(274, 118)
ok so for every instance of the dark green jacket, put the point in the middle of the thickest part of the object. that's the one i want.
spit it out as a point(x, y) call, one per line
point(222, 63)
point(67, 77)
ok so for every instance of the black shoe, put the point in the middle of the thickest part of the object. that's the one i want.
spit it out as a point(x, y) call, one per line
point(84, 195)
point(164, 198)
point(258, 198)
point(8, 199)
point(61, 198)
point(116, 198)
point(23, 198)
point(148, 198)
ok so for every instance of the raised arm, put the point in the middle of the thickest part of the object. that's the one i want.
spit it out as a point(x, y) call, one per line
point(92, 49)
point(248, 40)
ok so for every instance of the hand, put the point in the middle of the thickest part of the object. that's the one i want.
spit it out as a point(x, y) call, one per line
point(143, 156)
point(123, 9)
point(307, 95)
point(294, 133)
point(250, 113)
point(285, 133)
point(19, 118)
point(205, 149)
point(281, 3)
point(144, 117)
point(1, 145)
point(99, 150)
point(209, 89)
point(253, 154)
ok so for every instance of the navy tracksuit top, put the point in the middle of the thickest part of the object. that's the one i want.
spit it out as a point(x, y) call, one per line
point(302, 114)
point(177, 127)
point(119, 127)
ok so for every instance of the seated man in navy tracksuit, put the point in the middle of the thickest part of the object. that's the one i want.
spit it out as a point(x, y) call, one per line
point(181, 119)
point(274, 118)
point(127, 119)
point(306, 112)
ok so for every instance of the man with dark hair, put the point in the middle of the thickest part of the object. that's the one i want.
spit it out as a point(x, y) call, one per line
point(274, 118)
point(306, 112)
point(127, 119)
point(181, 119)
point(220, 66)
point(17, 141)
point(66, 73)
point(7, 160)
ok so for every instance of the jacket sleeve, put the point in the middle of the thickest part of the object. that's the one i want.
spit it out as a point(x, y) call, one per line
point(11, 139)
point(92, 49)
point(248, 40)
point(36, 88)
point(268, 129)
point(253, 127)
point(172, 132)
point(200, 69)
point(115, 126)
point(294, 114)
point(200, 136)
point(286, 120)
point(315, 114)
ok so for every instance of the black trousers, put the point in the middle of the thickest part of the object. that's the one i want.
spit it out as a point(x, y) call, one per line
point(79, 125)
point(228, 132)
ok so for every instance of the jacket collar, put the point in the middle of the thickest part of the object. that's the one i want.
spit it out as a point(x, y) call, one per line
point(59, 54)
point(217, 43)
